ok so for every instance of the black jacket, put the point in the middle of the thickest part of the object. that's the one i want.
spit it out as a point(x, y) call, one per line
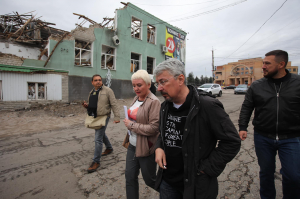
point(276, 115)
point(206, 124)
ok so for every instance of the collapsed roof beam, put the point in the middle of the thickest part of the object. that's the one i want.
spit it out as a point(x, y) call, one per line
point(86, 18)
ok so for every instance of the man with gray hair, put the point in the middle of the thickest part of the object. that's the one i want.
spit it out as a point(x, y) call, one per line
point(191, 124)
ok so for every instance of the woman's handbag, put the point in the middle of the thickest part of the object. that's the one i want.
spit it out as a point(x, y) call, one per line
point(126, 141)
point(95, 123)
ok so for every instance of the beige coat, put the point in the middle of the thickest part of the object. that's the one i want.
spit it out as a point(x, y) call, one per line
point(106, 102)
point(146, 126)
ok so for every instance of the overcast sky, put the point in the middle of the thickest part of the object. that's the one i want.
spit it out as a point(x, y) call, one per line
point(235, 29)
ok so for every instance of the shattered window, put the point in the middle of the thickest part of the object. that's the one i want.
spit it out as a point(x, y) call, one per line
point(1, 95)
point(136, 28)
point(108, 58)
point(36, 91)
point(135, 62)
point(83, 53)
point(150, 65)
point(151, 31)
point(41, 91)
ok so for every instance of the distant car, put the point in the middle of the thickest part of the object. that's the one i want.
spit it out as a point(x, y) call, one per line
point(242, 88)
point(230, 87)
point(213, 89)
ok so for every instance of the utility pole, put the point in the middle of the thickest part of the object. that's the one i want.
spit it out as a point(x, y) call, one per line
point(213, 63)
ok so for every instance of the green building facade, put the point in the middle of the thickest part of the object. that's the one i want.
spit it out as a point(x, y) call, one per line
point(136, 40)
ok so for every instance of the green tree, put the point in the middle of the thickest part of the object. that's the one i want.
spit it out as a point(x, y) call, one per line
point(206, 79)
point(191, 79)
point(197, 81)
point(202, 80)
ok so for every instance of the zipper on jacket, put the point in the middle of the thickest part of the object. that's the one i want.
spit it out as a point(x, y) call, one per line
point(162, 128)
point(277, 96)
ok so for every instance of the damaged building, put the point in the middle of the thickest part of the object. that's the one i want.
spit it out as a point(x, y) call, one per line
point(39, 62)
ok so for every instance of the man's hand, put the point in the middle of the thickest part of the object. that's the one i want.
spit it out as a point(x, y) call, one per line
point(160, 158)
point(84, 104)
point(116, 122)
point(243, 135)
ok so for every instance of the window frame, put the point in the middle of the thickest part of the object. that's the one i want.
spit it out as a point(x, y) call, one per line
point(139, 27)
point(80, 53)
point(37, 90)
point(105, 56)
point(132, 61)
point(153, 66)
point(155, 33)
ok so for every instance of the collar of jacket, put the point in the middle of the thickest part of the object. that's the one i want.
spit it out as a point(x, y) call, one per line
point(101, 88)
point(136, 98)
point(98, 89)
point(288, 76)
point(195, 104)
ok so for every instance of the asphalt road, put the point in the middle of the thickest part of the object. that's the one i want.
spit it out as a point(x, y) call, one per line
point(52, 164)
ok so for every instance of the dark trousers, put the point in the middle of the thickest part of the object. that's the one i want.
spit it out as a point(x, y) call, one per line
point(289, 155)
point(133, 166)
point(167, 191)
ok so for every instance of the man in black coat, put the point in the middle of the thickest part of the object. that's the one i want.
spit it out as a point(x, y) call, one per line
point(276, 101)
point(190, 127)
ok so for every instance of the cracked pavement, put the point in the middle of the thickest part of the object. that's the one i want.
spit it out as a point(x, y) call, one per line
point(53, 163)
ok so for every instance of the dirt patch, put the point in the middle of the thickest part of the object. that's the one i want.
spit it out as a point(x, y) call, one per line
point(46, 117)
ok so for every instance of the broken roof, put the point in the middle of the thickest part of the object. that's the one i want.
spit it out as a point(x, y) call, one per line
point(26, 28)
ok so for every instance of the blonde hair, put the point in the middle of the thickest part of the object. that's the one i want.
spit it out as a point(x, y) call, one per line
point(142, 74)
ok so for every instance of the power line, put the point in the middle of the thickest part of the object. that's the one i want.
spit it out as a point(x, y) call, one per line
point(199, 9)
point(192, 16)
point(173, 4)
point(208, 12)
point(258, 29)
point(275, 32)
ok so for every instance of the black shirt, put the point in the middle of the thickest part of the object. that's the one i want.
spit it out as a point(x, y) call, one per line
point(93, 102)
point(279, 81)
point(173, 136)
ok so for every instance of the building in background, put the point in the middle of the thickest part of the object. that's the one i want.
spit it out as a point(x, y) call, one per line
point(243, 71)
point(38, 62)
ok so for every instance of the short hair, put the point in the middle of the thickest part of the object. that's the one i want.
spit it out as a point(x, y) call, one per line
point(173, 66)
point(96, 76)
point(280, 56)
point(142, 74)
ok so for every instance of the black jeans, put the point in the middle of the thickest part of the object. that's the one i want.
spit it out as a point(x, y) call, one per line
point(133, 166)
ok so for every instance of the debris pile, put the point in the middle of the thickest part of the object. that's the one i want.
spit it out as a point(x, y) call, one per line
point(26, 28)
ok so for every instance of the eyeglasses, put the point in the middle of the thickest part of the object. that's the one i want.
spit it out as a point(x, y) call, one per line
point(162, 82)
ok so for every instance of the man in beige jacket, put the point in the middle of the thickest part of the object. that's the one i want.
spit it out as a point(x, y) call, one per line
point(101, 101)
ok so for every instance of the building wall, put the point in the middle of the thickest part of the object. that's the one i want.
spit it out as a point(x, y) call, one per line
point(10, 59)
point(20, 50)
point(15, 85)
point(80, 87)
point(224, 78)
point(79, 76)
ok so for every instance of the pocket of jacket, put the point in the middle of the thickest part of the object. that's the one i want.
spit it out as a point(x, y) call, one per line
point(206, 186)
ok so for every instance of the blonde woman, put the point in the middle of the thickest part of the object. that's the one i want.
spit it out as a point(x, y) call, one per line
point(143, 125)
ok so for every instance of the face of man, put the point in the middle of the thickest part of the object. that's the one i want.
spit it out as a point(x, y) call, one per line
point(168, 86)
point(270, 66)
point(97, 82)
